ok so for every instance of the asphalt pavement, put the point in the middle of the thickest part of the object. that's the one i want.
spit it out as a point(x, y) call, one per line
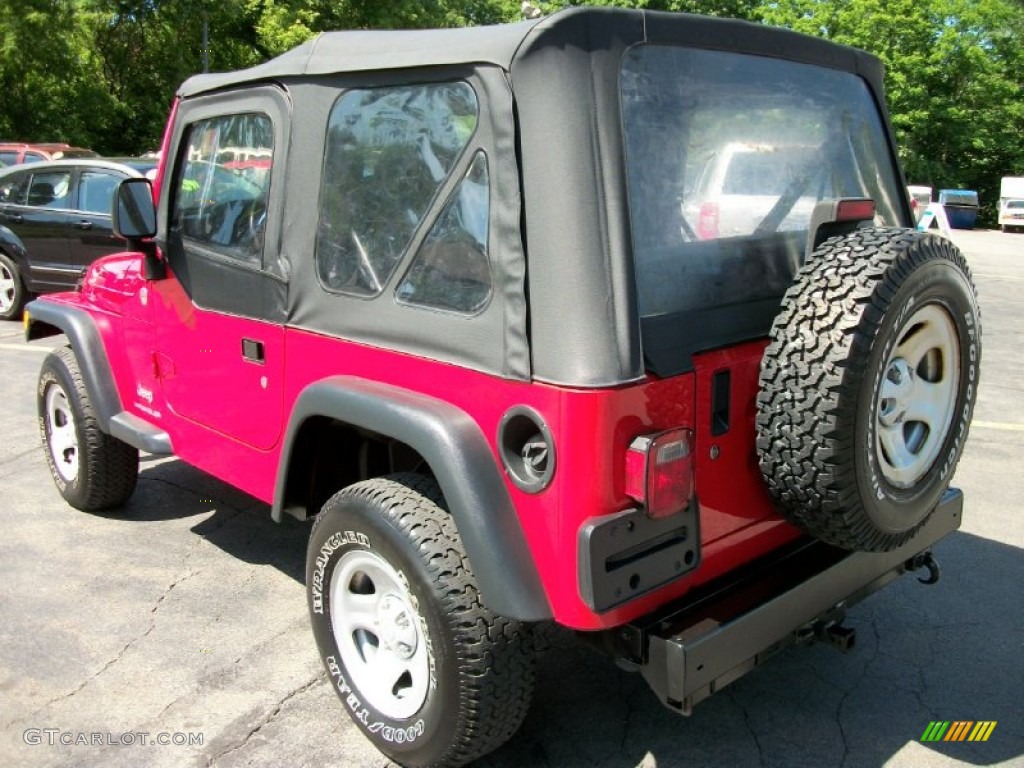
point(182, 620)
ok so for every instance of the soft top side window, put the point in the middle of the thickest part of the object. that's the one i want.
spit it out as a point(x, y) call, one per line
point(451, 270)
point(222, 185)
point(389, 151)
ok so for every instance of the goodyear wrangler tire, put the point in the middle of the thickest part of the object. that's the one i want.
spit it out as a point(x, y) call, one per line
point(423, 668)
point(868, 385)
point(92, 470)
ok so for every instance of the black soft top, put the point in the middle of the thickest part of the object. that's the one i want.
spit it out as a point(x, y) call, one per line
point(369, 50)
point(564, 134)
point(502, 44)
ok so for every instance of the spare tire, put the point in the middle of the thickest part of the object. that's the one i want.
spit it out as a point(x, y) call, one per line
point(868, 385)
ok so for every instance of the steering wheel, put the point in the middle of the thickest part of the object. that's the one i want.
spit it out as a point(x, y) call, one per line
point(248, 229)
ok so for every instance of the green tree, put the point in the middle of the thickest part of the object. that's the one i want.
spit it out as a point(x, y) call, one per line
point(953, 78)
point(283, 24)
point(49, 76)
point(102, 73)
point(735, 9)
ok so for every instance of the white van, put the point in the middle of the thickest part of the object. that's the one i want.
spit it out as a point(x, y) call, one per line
point(1011, 203)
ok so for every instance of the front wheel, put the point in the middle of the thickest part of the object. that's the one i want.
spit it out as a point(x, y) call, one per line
point(424, 669)
point(92, 470)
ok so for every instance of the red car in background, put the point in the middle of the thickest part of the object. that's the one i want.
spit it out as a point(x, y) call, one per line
point(16, 153)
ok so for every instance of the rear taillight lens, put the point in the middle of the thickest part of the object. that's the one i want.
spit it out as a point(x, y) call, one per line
point(659, 471)
point(707, 221)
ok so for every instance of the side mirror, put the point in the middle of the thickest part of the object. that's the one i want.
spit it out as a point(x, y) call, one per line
point(134, 215)
point(134, 219)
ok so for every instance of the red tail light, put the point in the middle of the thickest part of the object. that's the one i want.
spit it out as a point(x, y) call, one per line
point(855, 209)
point(659, 471)
point(707, 221)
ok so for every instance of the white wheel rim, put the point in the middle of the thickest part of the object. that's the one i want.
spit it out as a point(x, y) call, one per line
point(7, 288)
point(917, 396)
point(379, 634)
point(62, 437)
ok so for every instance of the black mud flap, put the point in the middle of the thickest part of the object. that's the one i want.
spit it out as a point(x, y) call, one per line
point(693, 649)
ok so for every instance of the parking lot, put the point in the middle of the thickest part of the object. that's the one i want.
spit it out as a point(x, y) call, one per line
point(182, 619)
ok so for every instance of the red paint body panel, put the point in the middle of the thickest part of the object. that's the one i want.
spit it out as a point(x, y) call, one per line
point(206, 379)
point(729, 485)
point(181, 367)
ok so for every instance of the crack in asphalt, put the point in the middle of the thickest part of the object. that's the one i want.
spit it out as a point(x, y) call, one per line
point(120, 654)
point(15, 457)
point(750, 726)
point(264, 643)
point(628, 719)
point(267, 718)
point(876, 652)
point(253, 650)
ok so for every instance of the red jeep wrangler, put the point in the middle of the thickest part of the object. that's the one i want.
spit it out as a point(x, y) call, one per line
point(454, 303)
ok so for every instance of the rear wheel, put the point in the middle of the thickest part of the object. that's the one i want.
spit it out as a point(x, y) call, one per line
point(425, 670)
point(12, 290)
point(868, 386)
point(92, 470)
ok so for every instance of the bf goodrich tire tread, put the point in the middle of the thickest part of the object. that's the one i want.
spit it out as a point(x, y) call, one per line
point(108, 468)
point(495, 654)
point(813, 371)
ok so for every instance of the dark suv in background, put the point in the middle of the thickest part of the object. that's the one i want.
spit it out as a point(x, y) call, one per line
point(54, 222)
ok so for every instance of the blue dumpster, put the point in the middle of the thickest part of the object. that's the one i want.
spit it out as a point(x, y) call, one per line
point(961, 207)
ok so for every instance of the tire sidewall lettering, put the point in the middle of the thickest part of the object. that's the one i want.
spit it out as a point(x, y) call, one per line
point(333, 543)
point(362, 714)
point(818, 422)
point(970, 390)
point(388, 734)
point(887, 505)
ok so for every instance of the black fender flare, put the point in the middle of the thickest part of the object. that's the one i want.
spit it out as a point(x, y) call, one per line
point(47, 318)
point(454, 446)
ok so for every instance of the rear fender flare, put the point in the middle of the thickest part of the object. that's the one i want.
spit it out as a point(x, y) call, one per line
point(454, 446)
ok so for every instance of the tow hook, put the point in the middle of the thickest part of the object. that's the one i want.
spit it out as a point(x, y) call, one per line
point(925, 560)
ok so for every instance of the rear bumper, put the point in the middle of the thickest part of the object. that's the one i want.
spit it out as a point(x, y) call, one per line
point(691, 649)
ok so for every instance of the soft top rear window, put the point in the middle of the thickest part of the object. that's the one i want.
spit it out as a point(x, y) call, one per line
point(726, 155)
